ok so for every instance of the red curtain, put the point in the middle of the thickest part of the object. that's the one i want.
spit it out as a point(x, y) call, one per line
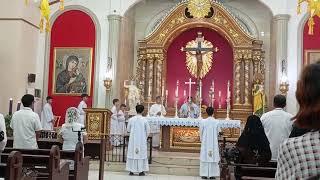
point(71, 29)
point(311, 42)
point(221, 71)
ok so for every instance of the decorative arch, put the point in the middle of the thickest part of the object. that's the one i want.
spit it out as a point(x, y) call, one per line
point(247, 51)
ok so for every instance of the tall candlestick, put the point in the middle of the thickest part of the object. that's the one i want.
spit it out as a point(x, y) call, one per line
point(177, 90)
point(10, 106)
point(200, 99)
point(219, 99)
point(18, 106)
point(149, 91)
point(212, 86)
point(167, 92)
point(228, 90)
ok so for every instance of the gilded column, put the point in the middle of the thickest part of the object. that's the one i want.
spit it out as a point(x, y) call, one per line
point(159, 75)
point(150, 63)
point(113, 52)
point(237, 94)
point(247, 89)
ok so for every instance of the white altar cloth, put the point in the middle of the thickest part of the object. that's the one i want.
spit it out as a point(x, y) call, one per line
point(156, 122)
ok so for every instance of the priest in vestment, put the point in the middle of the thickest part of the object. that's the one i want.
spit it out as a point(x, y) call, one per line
point(209, 154)
point(137, 157)
point(189, 108)
point(155, 111)
point(82, 105)
point(47, 117)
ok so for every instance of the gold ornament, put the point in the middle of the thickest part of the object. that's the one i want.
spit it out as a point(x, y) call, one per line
point(199, 8)
point(313, 10)
point(191, 59)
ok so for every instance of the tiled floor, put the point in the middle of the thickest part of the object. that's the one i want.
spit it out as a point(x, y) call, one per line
point(93, 175)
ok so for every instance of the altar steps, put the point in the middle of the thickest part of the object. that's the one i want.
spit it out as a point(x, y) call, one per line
point(186, 164)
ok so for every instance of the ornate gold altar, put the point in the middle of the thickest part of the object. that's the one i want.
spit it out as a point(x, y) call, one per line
point(248, 58)
point(97, 122)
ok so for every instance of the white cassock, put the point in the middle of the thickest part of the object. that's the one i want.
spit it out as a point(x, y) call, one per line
point(154, 110)
point(209, 154)
point(137, 158)
point(82, 106)
point(47, 117)
point(118, 126)
point(184, 110)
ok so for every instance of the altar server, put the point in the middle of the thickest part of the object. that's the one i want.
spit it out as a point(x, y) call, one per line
point(189, 108)
point(137, 159)
point(117, 129)
point(47, 117)
point(155, 111)
point(209, 155)
point(81, 106)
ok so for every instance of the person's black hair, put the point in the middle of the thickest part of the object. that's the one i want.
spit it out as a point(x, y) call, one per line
point(210, 111)
point(48, 98)
point(139, 108)
point(158, 97)
point(84, 95)
point(123, 105)
point(27, 100)
point(279, 101)
point(114, 101)
point(71, 58)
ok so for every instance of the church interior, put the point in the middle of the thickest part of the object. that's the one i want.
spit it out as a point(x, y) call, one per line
point(177, 58)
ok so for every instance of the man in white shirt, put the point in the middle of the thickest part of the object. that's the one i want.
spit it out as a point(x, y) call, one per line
point(277, 124)
point(26, 125)
point(209, 154)
point(189, 109)
point(47, 117)
point(155, 111)
point(81, 106)
point(137, 157)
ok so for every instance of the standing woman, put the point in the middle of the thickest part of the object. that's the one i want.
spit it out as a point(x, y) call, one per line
point(299, 157)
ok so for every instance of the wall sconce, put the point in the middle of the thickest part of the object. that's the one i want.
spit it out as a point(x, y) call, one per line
point(284, 84)
point(108, 84)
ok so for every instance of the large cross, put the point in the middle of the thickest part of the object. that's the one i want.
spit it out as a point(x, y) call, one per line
point(190, 83)
point(199, 52)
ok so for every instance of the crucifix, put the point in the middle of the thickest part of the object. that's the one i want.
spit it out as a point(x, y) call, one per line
point(199, 52)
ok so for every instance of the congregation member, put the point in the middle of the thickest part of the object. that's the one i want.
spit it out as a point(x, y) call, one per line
point(299, 157)
point(189, 109)
point(155, 111)
point(82, 105)
point(47, 117)
point(3, 134)
point(26, 125)
point(137, 158)
point(253, 145)
point(117, 129)
point(277, 124)
point(69, 132)
point(209, 154)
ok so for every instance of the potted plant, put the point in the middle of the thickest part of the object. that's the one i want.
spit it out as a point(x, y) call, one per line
point(8, 128)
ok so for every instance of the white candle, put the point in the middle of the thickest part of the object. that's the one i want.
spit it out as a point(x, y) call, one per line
point(149, 92)
point(213, 86)
point(219, 94)
point(228, 90)
point(184, 93)
point(162, 91)
point(177, 88)
point(176, 92)
point(200, 93)
point(167, 92)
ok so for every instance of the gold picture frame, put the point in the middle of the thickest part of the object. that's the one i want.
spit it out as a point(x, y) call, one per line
point(72, 71)
point(311, 56)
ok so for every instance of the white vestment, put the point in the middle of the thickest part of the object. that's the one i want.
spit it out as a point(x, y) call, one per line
point(154, 110)
point(186, 109)
point(82, 106)
point(47, 117)
point(209, 154)
point(277, 126)
point(118, 126)
point(137, 157)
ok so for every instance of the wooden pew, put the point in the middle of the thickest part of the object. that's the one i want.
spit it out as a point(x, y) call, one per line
point(12, 170)
point(81, 163)
point(51, 169)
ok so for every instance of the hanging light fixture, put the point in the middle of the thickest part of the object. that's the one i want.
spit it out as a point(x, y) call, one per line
point(313, 10)
point(199, 8)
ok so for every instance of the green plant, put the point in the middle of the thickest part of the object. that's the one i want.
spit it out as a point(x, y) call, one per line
point(8, 128)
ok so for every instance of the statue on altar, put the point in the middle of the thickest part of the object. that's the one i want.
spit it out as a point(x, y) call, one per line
point(259, 98)
point(134, 96)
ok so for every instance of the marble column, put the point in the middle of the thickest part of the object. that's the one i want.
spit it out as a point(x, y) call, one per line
point(280, 44)
point(113, 52)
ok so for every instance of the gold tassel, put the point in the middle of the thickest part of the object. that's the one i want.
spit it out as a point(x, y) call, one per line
point(311, 25)
point(41, 25)
point(61, 5)
point(48, 26)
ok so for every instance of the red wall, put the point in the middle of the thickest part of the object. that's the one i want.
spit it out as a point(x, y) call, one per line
point(311, 41)
point(71, 29)
point(221, 71)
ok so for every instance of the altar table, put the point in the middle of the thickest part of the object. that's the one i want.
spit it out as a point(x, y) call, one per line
point(182, 134)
